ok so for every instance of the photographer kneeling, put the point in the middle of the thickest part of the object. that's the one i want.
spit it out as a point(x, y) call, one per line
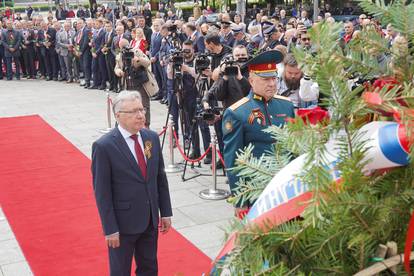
point(132, 65)
point(231, 81)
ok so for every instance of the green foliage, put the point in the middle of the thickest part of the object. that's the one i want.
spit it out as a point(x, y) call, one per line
point(343, 223)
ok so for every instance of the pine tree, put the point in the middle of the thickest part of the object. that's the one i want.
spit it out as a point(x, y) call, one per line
point(343, 225)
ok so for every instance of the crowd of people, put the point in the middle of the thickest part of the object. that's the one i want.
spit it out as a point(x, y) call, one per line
point(189, 65)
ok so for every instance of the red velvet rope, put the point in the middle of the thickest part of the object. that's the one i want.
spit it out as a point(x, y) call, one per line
point(164, 129)
point(221, 158)
point(186, 158)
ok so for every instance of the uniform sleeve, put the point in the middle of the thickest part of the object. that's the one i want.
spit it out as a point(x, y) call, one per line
point(233, 141)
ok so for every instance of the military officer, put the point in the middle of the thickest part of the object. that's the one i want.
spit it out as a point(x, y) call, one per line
point(272, 36)
point(245, 120)
point(239, 36)
point(226, 34)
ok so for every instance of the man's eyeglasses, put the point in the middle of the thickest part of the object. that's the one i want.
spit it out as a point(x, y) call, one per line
point(134, 112)
point(305, 38)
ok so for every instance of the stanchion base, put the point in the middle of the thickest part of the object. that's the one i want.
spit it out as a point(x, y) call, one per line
point(105, 130)
point(214, 194)
point(173, 169)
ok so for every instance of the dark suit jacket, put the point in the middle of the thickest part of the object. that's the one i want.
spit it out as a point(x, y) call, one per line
point(198, 43)
point(124, 198)
point(11, 39)
point(84, 41)
point(51, 32)
point(109, 38)
point(155, 44)
point(99, 41)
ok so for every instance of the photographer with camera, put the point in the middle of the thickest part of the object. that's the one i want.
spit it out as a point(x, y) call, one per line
point(132, 65)
point(232, 83)
point(216, 50)
point(192, 103)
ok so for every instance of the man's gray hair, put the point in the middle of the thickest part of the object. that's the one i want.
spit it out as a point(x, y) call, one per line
point(124, 96)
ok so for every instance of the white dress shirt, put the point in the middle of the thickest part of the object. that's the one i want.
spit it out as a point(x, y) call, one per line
point(130, 142)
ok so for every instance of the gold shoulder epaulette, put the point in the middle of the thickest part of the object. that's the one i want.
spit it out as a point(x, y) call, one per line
point(282, 98)
point(239, 103)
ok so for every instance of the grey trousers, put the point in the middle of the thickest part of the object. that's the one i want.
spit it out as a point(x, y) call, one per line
point(69, 66)
point(146, 104)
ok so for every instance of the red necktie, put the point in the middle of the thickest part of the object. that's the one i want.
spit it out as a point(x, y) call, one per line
point(140, 156)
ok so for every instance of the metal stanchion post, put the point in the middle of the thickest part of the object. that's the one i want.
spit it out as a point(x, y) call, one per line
point(172, 167)
point(108, 114)
point(214, 193)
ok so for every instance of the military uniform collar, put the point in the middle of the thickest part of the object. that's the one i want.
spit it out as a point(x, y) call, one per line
point(257, 97)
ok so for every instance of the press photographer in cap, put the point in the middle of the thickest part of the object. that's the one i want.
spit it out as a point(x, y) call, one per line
point(245, 120)
point(132, 66)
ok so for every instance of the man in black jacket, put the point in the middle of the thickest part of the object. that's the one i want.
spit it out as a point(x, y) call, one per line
point(230, 88)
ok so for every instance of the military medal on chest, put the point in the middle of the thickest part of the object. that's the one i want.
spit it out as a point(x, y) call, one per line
point(257, 115)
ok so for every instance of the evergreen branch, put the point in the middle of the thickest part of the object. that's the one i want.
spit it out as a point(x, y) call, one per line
point(363, 222)
point(255, 167)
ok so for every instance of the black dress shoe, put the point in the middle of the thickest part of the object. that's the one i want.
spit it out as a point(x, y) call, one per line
point(102, 87)
point(93, 87)
point(86, 86)
point(55, 79)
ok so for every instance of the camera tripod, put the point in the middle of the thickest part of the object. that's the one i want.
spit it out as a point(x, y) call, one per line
point(178, 91)
point(202, 88)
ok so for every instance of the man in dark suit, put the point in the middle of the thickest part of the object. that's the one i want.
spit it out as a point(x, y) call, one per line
point(11, 42)
point(99, 72)
point(131, 189)
point(145, 27)
point(52, 60)
point(195, 37)
point(155, 46)
point(85, 51)
point(109, 56)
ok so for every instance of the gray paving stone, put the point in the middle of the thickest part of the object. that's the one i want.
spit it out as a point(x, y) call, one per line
point(180, 220)
point(5, 230)
point(208, 211)
point(206, 235)
point(212, 252)
point(16, 269)
point(10, 252)
point(182, 198)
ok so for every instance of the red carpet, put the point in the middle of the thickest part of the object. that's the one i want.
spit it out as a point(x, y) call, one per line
point(46, 194)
